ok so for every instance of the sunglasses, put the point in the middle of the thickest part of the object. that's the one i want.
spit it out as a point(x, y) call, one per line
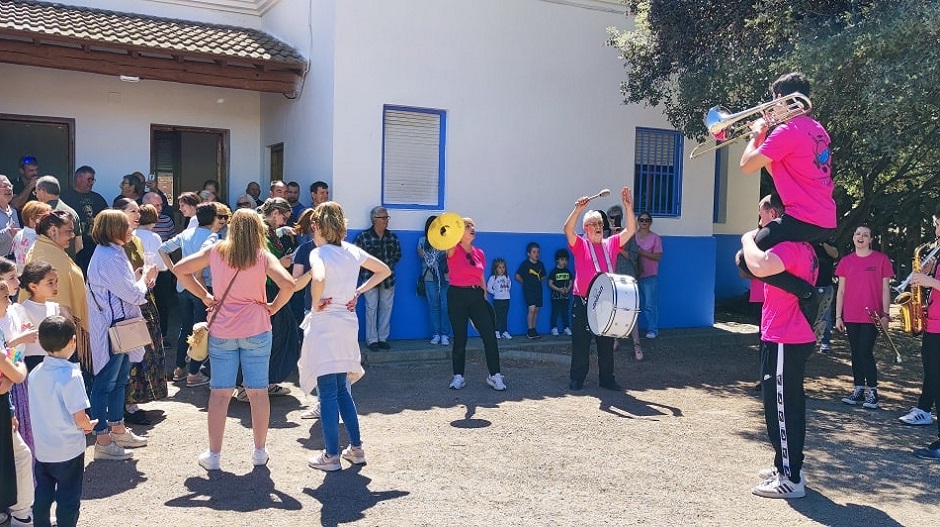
point(645, 220)
point(222, 216)
point(470, 259)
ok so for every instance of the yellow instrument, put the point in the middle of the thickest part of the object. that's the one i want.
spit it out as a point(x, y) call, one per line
point(876, 320)
point(728, 128)
point(446, 231)
point(912, 303)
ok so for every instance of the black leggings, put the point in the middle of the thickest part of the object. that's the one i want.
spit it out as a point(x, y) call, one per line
point(469, 304)
point(862, 343)
point(786, 228)
point(930, 354)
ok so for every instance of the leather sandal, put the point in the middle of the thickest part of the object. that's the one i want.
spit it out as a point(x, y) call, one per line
point(637, 351)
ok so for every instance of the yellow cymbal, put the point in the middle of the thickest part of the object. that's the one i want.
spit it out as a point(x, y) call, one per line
point(446, 231)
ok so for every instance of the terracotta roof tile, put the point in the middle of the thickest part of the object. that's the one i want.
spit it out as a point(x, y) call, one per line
point(161, 34)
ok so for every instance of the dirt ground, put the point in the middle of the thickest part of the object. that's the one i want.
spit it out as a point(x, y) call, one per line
point(682, 446)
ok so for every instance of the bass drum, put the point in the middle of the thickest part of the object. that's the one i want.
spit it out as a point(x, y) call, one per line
point(613, 305)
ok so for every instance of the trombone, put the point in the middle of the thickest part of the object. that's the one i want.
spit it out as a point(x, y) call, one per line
point(727, 128)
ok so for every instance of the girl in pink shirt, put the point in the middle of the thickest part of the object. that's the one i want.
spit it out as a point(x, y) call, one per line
point(930, 352)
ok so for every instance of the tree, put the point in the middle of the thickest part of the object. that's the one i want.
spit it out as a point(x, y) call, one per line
point(875, 68)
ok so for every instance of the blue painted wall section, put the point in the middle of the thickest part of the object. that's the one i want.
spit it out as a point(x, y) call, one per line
point(728, 283)
point(686, 282)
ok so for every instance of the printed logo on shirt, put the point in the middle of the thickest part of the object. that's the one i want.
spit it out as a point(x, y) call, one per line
point(821, 154)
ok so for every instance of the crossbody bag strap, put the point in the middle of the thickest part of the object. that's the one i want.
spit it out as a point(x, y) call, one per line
point(215, 312)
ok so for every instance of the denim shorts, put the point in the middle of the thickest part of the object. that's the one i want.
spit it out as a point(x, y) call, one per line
point(252, 353)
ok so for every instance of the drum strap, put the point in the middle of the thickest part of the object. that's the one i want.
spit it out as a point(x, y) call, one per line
point(597, 265)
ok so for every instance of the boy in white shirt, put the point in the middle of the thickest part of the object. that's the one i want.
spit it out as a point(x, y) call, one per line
point(57, 409)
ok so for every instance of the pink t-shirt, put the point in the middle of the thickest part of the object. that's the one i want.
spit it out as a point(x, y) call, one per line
point(864, 278)
point(756, 295)
point(584, 270)
point(782, 321)
point(462, 273)
point(933, 312)
point(654, 244)
point(243, 313)
point(801, 167)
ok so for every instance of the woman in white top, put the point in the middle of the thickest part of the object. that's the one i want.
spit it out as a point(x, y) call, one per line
point(330, 349)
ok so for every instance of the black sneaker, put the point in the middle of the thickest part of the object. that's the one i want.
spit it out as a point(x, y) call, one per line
point(611, 385)
point(384, 345)
point(871, 399)
point(374, 346)
point(857, 397)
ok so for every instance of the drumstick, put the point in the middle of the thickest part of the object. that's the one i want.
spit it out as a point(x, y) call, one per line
point(602, 194)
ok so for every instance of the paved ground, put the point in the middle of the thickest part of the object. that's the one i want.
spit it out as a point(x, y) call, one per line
point(681, 447)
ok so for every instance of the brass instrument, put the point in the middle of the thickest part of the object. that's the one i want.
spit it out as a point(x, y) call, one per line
point(876, 320)
point(912, 303)
point(727, 128)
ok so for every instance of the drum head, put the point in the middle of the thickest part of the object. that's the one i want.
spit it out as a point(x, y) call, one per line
point(612, 305)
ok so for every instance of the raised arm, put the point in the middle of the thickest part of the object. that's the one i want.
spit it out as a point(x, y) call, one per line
point(629, 228)
point(579, 205)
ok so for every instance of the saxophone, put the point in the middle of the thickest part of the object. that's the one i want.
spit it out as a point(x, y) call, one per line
point(912, 303)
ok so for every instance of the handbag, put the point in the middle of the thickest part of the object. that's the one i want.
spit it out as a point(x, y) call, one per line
point(199, 339)
point(125, 334)
point(420, 287)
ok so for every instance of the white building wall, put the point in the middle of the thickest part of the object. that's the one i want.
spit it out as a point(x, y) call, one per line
point(113, 118)
point(242, 13)
point(534, 115)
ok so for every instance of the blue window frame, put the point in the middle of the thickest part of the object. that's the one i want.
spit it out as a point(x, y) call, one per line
point(413, 141)
point(657, 177)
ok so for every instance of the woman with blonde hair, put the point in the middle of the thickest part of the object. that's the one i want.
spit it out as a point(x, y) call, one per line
point(240, 324)
point(330, 352)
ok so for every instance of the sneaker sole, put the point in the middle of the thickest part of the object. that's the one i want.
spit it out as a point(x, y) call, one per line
point(920, 422)
point(325, 468)
point(356, 461)
point(870, 406)
point(851, 402)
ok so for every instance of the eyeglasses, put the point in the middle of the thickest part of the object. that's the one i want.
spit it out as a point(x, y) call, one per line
point(242, 204)
point(382, 217)
point(593, 223)
point(222, 216)
point(645, 220)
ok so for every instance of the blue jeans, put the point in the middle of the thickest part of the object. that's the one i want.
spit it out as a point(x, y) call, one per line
point(437, 308)
point(335, 400)
point(379, 302)
point(648, 301)
point(192, 310)
point(107, 393)
point(62, 483)
point(827, 333)
point(253, 354)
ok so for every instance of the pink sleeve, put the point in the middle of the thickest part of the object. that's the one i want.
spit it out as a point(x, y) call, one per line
point(658, 245)
point(887, 271)
point(777, 144)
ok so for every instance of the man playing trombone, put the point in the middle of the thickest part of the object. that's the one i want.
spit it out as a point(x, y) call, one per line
point(796, 154)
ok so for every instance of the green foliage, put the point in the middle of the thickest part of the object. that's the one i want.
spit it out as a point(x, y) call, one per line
point(875, 69)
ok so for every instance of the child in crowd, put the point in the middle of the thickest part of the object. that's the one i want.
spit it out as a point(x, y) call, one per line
point(24, 240)
point(41, 283)
point(499, 286)
point(58, 409)
point(530, 274)
point(16, 459)
point(559, 281)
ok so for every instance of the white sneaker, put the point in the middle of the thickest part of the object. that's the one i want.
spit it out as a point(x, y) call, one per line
point(554, 332)
point(209, 460)
point(260, 457)
point(355, 455)
point(325, 462)
point(499, 335)
point(506, 335)
point(436, 339)
point(650, 335)
point(24, 521)
point(496, 382)
point(780, 487)
point(917, 417)
point(312, 412)
point(568, 331)
point(457, 383)
point(128, 439)
point(111, 451)
point(445, 341)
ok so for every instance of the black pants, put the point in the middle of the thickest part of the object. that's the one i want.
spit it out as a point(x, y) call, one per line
point(559, 313)
point(783, 367)
point(469, 303)
point(164, 296)
point(930, 354)
point(502, 314)
point(60, 483)
point(862, 343)
point(786, 228)
point(581, 347)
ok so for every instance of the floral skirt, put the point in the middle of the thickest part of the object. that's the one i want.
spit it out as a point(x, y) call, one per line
point(285, 342)
point(148, 377)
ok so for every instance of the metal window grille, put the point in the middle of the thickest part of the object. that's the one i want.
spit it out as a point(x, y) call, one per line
point(657, 181)
point(413, 157)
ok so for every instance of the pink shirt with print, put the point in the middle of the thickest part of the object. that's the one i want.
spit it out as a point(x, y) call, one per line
point(584, 264)
point(782, 321)
point(864, 277)
point(801, 166)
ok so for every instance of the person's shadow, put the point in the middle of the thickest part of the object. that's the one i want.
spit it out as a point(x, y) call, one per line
point(224, 491)
point(345, 495)
point(824, 511)
point(112, 478)
point(628, 406)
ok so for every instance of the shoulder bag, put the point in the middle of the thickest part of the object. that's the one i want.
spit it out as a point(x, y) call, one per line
point(199, 339)
point(125, 334)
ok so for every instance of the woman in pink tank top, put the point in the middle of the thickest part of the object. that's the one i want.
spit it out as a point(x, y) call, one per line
point(240, 324)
